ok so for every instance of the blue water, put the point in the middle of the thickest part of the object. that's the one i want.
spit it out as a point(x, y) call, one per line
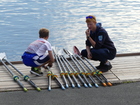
point(20, 21)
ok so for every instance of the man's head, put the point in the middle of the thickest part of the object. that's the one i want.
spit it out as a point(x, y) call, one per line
point(43, 33)
point(91, 18)
point(91, 22)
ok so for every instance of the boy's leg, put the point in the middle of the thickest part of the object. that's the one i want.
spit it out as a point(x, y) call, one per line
point(43, 65)
point(42, 61)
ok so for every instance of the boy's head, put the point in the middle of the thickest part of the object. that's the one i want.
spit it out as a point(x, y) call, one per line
point(91, 18)
point(43, 32)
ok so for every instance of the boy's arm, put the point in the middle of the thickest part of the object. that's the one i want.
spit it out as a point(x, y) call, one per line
point(51, 58)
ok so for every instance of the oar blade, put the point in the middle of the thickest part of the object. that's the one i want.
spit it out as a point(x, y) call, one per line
point(76, 51)
point(2, 55)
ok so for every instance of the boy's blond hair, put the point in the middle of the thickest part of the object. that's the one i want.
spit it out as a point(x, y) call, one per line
point(43, 32)
point(91, 18)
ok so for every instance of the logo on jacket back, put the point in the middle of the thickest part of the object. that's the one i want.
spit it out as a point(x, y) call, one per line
point(100, 38)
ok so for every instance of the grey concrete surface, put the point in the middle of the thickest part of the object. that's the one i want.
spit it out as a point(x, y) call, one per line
point(122, 94)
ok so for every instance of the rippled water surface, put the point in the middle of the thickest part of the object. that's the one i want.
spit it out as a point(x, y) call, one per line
point(20, 21)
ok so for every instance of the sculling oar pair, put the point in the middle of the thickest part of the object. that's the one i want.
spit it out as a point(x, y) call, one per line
point(63, 71)
point(60, 65)
point(83, 72)
point(15, 77)
point(97, 73)
point(54, 77)
point(65, 63)
point(68, 70)
point(75, 73)
point(70, 73)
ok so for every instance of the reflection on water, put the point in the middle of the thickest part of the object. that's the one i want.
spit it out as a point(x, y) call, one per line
point(21, 20)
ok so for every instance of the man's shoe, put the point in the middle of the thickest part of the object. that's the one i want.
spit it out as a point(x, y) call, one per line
point(104, 67)
point(100, 66)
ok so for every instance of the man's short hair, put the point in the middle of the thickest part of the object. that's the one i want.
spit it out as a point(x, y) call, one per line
point(91, 18)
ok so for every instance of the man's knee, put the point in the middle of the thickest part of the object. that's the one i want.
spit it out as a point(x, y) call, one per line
point(84, 53)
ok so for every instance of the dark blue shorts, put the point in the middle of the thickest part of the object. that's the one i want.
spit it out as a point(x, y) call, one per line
point(34, 60)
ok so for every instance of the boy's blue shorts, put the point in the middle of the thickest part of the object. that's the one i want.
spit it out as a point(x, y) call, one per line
point(28, 60)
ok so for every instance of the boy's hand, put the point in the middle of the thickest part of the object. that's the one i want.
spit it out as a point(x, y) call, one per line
point(50, 64)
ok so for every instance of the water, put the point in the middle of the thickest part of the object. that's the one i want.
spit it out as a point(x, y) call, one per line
point(20, 21)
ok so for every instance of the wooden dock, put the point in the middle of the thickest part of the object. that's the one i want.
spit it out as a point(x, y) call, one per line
point(126, 68)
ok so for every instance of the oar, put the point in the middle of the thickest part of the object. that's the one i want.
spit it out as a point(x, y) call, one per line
point(54, 77)
point(76, 73)
point(98, 72)
point(15, 77)
point(86, 72)
point(62, 74)
point(71, 73)
point(79, 66)
point(95, 72)
point(49, 75)
point(66, 72)
point(26, 77)
point(65, 67)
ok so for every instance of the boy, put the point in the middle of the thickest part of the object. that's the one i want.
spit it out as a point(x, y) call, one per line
point(103, 48)
point(35, 55)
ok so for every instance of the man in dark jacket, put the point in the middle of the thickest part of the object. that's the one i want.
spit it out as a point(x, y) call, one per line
point(103, 48)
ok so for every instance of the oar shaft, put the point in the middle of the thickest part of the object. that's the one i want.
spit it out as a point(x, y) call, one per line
point(90, 63)
point(70, 72)
point(59, 83)
point(49, 83)
point(14, 67)
point(7, 68)
point(79, 64)
point(66, 65)
point(82, 73)
point(76, 72)
point(26, 78)
point(49, 75)
point(69, 64)
point(21, 85)
point(84, 62)
point(61, 72)
point(55, 77)
point(16, 78)
point(91, 78)
point(58, 64)
point(104, 84)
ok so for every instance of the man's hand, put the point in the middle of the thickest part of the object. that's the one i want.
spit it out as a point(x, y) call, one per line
point(87, 32)
point(89, 56)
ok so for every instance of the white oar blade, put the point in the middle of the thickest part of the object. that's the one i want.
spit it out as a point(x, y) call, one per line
point(2, 55)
